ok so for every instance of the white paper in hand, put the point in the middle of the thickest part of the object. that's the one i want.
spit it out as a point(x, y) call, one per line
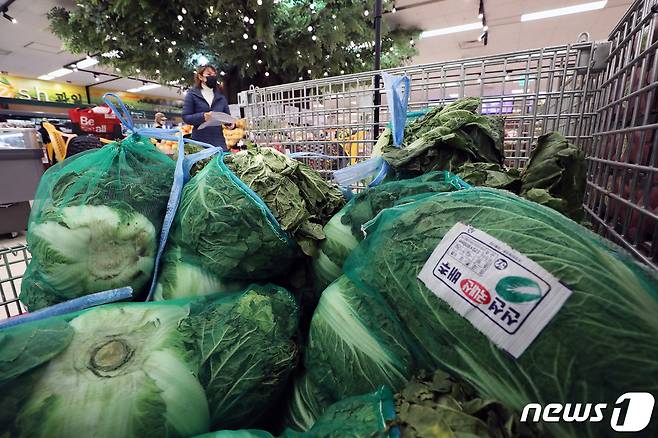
point(217, 119)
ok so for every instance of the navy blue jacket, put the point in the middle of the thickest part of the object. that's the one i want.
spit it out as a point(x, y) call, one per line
point(195, 106)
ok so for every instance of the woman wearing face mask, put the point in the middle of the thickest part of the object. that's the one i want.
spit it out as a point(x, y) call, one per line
point(202, 99)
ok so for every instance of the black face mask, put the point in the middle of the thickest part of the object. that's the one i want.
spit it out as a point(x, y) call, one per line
point(211, 81)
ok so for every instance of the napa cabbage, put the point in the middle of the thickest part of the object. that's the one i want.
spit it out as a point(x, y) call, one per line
point(355, 344)
point(95, 221)
point(176, 368)
point(87, 248)
point(600, 344)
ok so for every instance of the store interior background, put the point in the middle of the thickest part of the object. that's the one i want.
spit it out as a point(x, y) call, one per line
point(28, 49)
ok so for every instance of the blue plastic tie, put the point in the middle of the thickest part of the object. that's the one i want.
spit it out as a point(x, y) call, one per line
point(70, 306)
point(398, 101)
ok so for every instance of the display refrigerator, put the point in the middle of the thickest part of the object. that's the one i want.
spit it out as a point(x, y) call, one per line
point(21, 167)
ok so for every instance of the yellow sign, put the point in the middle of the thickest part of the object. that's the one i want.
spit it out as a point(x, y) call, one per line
point(14, 87)
point(139, 101)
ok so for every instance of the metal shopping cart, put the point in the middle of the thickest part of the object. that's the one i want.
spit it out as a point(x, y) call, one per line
point(13, 262)
point(600, 95)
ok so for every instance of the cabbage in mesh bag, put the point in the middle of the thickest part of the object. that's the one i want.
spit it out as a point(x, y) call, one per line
point(175, 368)
point(227, 229)
point(363, 416)
point(343, 232)
point(355, 344)
point(601, 344)
point(95, 222)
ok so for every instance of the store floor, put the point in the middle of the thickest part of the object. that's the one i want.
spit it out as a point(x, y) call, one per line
point(7, 241)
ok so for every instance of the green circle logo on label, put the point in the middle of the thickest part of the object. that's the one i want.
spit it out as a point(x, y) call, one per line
point(518, 289)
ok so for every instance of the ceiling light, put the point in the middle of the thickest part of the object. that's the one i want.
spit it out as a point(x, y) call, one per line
point(143, 88)
point(55, 74)
point(9, 17)
point(584, 7)
point(517, 91)
point(96, 78)
point(88, 62)
point(449, 30)
point(453, 95)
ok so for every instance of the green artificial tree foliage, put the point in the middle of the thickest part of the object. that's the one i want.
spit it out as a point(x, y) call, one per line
point(263, 42)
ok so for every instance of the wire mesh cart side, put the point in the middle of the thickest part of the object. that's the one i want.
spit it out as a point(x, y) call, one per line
point(536, 91)
point(622, 193)
point(13, 262)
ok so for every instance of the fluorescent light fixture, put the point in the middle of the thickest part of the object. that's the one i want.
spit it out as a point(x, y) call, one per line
point(59, 72)
point(143, 88)
point(454, 29)
point(453, 95)
point(45, 77)
point(584, 7)
point(87, 63)
point(517, 91)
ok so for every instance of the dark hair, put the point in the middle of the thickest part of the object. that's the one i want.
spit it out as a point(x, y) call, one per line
point(199, 71)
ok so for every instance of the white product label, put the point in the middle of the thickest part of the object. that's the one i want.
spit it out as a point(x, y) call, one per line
point(504, 294)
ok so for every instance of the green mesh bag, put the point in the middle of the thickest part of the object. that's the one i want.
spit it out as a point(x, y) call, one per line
point(600, 344)
point(363, 416)
point(95, 222)
point(223, 228)
point(177, 368)
point(182, 275)
point(355, 344)
point(343, 232)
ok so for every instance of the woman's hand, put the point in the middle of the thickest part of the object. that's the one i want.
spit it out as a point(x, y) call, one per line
point(207, 116)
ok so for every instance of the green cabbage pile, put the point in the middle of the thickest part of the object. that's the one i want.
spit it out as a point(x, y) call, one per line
point(446, 138)
point(344, 231)
point(244, 217)
point(175, 368)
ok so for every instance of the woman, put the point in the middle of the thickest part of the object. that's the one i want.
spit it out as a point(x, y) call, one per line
point(200, 100)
